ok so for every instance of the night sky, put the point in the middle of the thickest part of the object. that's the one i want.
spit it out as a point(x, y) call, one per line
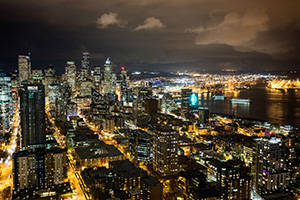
point(153, 34)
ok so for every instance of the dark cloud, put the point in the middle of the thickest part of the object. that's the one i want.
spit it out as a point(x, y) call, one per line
point(192, 33)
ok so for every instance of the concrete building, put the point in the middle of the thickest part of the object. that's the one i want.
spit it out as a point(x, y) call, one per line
point(141, 144)
point(32, 114)
point(6, 103)
point(70, 72)
point(39, 169)
point(85, 65)
point(270, 164)
point(24, 65)
point(151, 188)
point(49, 78)
point(151, 106)
point(109, 82)
point(97, 156)
point(165, 151)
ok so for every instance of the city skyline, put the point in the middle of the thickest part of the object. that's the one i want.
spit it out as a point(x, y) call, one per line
point(215, 34)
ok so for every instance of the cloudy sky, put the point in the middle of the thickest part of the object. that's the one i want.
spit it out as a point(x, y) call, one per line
point(153, 34)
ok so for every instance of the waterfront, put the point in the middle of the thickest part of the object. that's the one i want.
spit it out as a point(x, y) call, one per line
point(275, 106)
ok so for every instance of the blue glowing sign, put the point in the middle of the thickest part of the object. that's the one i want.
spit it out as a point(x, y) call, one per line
point(194, 99)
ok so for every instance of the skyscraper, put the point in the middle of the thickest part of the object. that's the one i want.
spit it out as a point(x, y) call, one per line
point(85, 65)
point(70, 72)
point(97, 78)
point(124, 85)
point(24, 68)
point(190, 101)
point(32, 109)
point(185, 98)
point(233, 179)
point(6, 104)
point(270, 164)
point(38, 169)
point(109, 77)
point(49, 78)
point(165, 148)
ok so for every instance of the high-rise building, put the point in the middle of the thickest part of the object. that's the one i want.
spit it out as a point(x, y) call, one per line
point(49, 78)
point(152, 188)
point(32, 109)
point(56, 166)
point(233, 180)
point(203, 115)
point(28, 170)
point(165, 151)
point(86, 87)
point(189, 100)
point(270, 164)
point(141, 144)
point(168, 103)
point(24, 68)
point(6, 103)
point(70, 72)
point(53, 99)
point(124, 85)
point(109, 77)
point(185, 96)
point(151, 106)
point(97, 78)
point(37, 74)
point(39, 169)
point(85, 65)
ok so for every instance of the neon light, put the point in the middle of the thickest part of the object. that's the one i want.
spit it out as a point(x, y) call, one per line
point(194, 99)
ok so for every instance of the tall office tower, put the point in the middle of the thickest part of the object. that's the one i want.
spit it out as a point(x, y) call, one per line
point(185, 99)
point(190, 100)
point(233, 179)
point(49, 78)
point(63, 101)
point(53, 99)
point(109, 77)
point(165, 148)
point(140, 145)
point(97, 78)
point(124, 85)
point(70, 72)
point(6, 103)
point(24, 68)
point(32, 109)
point(167, 103)
point(86, 87)
point(270, 164)
point(85, 65)
point(203, 115)
point(37, 74)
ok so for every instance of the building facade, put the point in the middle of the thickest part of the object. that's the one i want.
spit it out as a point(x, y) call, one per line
point(6, 103)
point(32, 113)
point(70, 72)
point(270, 164)
point(24, 65)
point(165, 148)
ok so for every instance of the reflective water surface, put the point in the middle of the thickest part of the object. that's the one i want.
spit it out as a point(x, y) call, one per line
point(274, 106)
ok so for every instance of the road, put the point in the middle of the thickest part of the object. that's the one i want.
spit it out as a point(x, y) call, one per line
point(78, 186)
point(6, 166)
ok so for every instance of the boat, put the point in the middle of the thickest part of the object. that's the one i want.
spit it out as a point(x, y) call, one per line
point(241, 101)
point(218, 97)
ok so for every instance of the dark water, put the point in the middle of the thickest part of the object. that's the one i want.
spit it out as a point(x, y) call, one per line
point(274, 106)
